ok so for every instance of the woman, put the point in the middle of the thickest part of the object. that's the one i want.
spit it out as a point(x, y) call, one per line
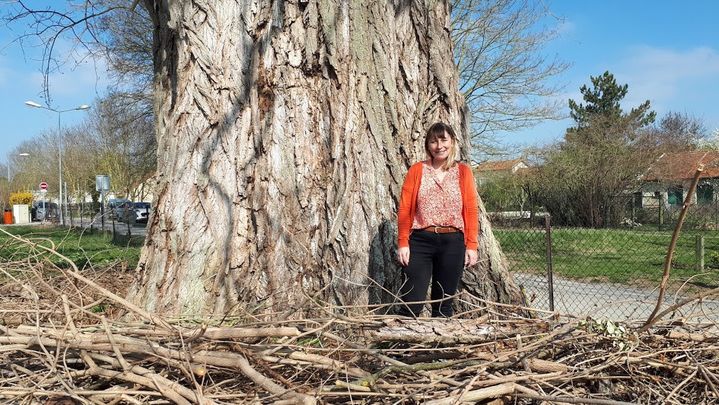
point(438, 224)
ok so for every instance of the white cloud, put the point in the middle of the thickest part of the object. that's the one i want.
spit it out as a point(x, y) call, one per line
point(665, 76)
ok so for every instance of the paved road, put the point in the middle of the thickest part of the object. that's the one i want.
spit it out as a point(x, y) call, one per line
point(121, 228)
point(608, 300)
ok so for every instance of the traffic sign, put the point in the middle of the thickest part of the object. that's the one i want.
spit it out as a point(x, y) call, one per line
point(43, 186)
point(102, 183)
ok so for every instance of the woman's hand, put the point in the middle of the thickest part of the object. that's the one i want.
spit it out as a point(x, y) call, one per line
point(403, 256)
point(470, 258)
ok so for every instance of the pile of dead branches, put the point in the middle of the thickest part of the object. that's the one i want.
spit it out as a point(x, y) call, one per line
point(63, 341)
point(340, 359)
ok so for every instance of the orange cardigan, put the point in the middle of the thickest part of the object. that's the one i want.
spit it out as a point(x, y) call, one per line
point(408, 205)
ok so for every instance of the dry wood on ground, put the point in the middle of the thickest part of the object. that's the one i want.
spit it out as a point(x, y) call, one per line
point(56, 344)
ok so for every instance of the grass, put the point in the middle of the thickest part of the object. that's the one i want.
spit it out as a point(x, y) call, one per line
point(84, 247)
point(614, 255)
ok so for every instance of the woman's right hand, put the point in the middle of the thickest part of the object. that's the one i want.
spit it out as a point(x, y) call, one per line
point(403, 256)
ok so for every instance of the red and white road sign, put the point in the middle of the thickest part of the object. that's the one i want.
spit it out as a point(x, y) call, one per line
point(43, 186)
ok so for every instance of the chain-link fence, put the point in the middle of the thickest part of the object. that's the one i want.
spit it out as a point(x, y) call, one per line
point(613, 272)
point(124, 225)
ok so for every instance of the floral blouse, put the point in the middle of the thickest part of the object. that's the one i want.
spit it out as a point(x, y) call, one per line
point(439, 203)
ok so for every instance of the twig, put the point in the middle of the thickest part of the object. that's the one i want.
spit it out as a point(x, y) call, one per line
point(120, 358)
point(670, 252)
point(76, 274)
point(270, 385)
point(680, 385)
point(573, 400)
point(477, 395)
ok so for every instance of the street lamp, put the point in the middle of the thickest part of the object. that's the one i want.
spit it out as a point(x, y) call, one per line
point(59, 143)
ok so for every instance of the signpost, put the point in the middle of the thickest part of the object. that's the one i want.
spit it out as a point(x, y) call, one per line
point(43, 190)
point(102, 184)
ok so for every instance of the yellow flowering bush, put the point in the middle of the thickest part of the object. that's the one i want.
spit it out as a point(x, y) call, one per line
point(22, 197)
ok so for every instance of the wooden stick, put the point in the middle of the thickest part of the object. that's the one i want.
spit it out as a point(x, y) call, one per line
point(270, 385)
point(477, 395)
point(670, 252)
point(75, 272)
point(145, 375)
point(125, 365)
point(573, 400)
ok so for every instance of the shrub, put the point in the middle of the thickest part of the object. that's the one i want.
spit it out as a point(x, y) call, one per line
point(713, 260)
point(22, 197)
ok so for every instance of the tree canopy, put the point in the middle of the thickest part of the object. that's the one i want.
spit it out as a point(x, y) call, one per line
point(604, 99)
point(599, 159)
point(505, 73)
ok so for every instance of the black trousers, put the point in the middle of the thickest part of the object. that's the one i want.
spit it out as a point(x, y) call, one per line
point(439, 257)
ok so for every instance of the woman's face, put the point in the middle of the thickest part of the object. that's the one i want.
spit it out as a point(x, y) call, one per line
point(439, 147)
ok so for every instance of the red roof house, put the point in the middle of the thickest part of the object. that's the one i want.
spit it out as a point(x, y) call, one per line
point(668, 179)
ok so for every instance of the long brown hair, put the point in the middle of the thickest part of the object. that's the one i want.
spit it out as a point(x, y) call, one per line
point(441, 130)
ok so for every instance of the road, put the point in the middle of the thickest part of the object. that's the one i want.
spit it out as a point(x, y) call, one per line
point(609, 300)
point(121, 228)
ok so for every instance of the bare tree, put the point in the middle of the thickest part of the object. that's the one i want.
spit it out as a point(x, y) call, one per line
point(677, 131)
point(5, 188)
point(47, 26)
point(126, 145)
point(81, 161)
point(128, 47)
point(503, 72)
point(284, 130)
point(33, 161)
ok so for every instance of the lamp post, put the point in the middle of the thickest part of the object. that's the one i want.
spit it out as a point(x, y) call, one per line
point(59, 143)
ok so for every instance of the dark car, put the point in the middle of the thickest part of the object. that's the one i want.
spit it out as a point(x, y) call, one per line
point(121, 209)
point(142, 211)
point(44, 211)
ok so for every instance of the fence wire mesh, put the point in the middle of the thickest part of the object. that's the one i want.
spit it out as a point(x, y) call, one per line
point(614, 272)
point(121, 225)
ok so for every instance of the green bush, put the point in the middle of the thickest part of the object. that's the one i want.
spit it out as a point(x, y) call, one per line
point(713, 260)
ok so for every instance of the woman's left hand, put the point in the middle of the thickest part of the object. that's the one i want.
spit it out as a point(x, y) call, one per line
point(470, 258)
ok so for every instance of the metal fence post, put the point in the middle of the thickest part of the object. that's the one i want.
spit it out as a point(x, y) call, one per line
point(661, 211)
point(550, 271)
point(700, 253)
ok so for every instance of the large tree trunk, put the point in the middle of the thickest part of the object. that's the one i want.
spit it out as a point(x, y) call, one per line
point(285, 129)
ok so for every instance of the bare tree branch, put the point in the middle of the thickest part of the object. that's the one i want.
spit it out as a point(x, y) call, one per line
point(504, 76)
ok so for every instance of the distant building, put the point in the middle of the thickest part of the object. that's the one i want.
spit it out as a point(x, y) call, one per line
point(668, 179)
point(487, 171)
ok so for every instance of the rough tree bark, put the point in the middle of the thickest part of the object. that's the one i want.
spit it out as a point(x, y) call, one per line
point(285, 129)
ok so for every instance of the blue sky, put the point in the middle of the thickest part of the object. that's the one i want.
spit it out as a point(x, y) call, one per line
point(666, 51)
point(21, 80)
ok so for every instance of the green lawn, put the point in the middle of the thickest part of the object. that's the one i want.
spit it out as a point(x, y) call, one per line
point(622, 256)
point(81, 247)
point(615, 255)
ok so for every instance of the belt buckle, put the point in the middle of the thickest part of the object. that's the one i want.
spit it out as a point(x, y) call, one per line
point(436, 230)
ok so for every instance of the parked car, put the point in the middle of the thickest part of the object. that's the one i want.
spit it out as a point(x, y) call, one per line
point(43, 211)
point(121, 209)
point(142, 211)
